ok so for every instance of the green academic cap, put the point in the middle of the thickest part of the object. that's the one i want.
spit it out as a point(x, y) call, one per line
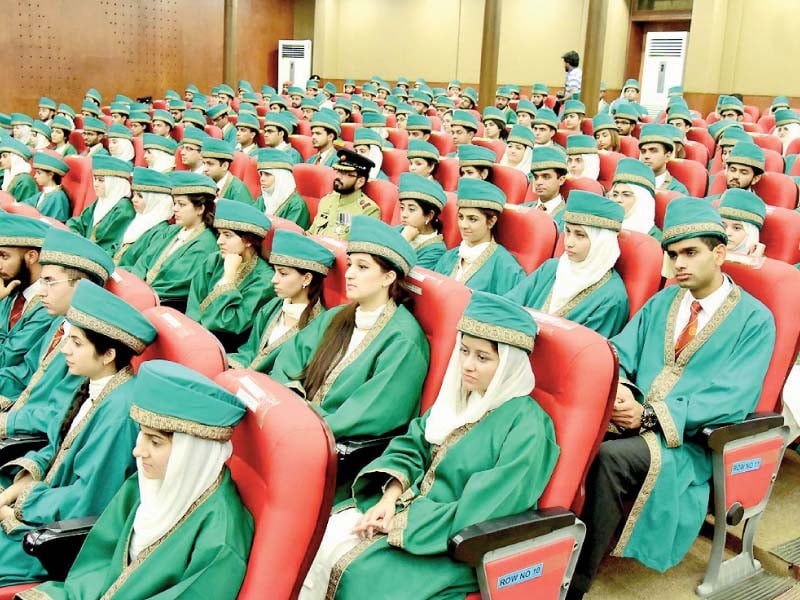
point(545, 116)
point(94, 95)
point(109, 166)
point(120, 108)
point(219, 149)
point(63, 123)
point(417, 122)
point(194, 117)
point(465, 119)
point(521, 135)
point(587, 208)
point(41, 128)
point(733, 135)
point(691, 217)
point(780, 102)
point(627, 111)
point(471, 94)
point(66, 109)
point(249, 121)
point(581, 144)
point(120, 132)
point(227, 90)
point(603, 121)
point(194, 136)
point(422, 149)
point(94, 124)
point(634, 172)
point(472, 155)
point(45, 102)
point(139, 117)
point(743, 205)
point(632, 83)
point(238, 216)
point(716, 128)
point(365, 136)
point(188, 182)
point(497, 319)
point(730, 103)
point(14, 146)
point(526, 106)
point(492, 113)
point(373, 236)
point(72, 251)
point(785, 116)
point(327, 121)
point(21, 119)
point(151, 141)
point(416, 187)
point(748, 154)
point(477, 193)
point(217, 111)
point(21, 231)
point(292, 249)
point(272, 158)
point(548, 157)
point(149, 180)
point(653, 133)
point(91, 108)
point(539, 89)
point(47, 162)
point(574, 107)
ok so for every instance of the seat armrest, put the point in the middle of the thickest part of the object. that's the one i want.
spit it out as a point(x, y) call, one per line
point(348, 447)
point(715, 437)
point(355, 453)
point(57, 544)
point(19, 445)
point(471, 543)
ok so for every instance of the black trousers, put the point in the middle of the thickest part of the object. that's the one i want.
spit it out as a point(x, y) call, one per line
point(615, 477)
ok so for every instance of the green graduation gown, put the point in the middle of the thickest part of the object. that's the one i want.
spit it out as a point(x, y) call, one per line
point(235, 189)
point(204, 556)
point(21, 342)
point(673, 185)
point(294, 155)
point(54, 204)
point(66, 150)
point(293, 208)
point(655, 232)
point(376, 388)
point(704, 386)
point(557, 214)
point(76, 478)
point(23, 186)
point(257, 353)
point(603, 306)
point(111, 227)
point(496, 467)
point(329, 161)
point(171, 275)
point(229, 133)
point(428, 252)
point(495, 270)
point(126, 255)
point(227, 310)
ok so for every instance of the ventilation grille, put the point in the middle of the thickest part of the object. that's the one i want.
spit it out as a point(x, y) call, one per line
point(293, 51)
point(666, 47)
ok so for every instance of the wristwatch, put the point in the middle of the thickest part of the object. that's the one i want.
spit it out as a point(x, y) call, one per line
point(649, 417)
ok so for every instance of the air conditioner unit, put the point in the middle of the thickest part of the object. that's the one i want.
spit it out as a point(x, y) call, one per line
point(664, 59)
point(294, 61)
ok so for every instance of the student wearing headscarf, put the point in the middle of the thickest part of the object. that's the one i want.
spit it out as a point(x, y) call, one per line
point(120, 142)
point(494, 449)
point(787, 127)
point(14, 157)
point(177, 527)
point(40, 135)
point(159, 152)
point(634, 187)
point(519, 150)
point(21, 125)
point(582, 285)
point(153, 204)
point(300, 264)
point(279, 195)
point(369, 143)
point(106, 219)
point(582, 157)
point(743, 215)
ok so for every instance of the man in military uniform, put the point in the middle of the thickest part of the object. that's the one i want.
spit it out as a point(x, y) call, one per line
point(337, 209)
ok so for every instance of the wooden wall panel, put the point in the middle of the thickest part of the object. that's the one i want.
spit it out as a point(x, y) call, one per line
point(260, 24)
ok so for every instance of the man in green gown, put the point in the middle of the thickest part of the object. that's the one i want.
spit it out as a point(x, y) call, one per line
point(549, 168)
point(217, 159)
point(681, 359)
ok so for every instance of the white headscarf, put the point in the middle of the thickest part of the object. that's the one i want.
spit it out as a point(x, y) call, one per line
point(24, 134)
point(124, 150)
point(41, 142)
point(18, 165)
point(643, 214)
point(163, 162)
point(574, 277)
point(454, 407)
point(194, 465)
point(792, 133)
point(591, 166)
point(751, 238)
point(281, 189)
point(524, 164)
point(376, 156)
point(157, 208)
point(117, 188)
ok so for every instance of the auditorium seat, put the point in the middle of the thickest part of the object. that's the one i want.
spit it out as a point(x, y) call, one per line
point(768, 142)
point(629, 146)
point(751, 127)
point(246, 168)
point(313, 182)
point(662, 198)
point(697, 152)
point(214, 131)
point(160, 105)
point(608, 166)
point(334, 292)
point(698, 122)
point(176, 133)
point(581, 183)
point(775, 189)
point(356, 117)
point(781, 234)
point(303, 127)
point(391, 121)
point(512, 181)
point(302, 143)
point(386, 195)
point(133, 290)
point(753, 111)
point(560, 136)
point(398, 138)
point(586, 126)
point(138, 154)
point(793, 148)
point(767, 123)
point(449, 219)
point(395, 162)
point(436, 122)
point(448, 173)
point(279, 438)
point(76, 139)
point(527, 233)
point(691, 174)
point(443, 142)
point(576, 380)
point(349, 130)
point(698, 134)
point(496, 146)
point(277, 223)
point(19, 208)
point(78, 183)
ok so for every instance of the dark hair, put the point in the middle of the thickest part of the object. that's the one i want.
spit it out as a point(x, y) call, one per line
point(615, 143)
point(339, 331)
point(102, 343)
point(737, 96)
point(207, 202)
point(489, 213)
point(254, 240)
point(711, 241)
point(427, 207)
point(314, 296)
point(56, 178)
point(571, 58)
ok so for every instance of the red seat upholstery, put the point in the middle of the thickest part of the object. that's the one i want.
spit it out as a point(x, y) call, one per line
point(768, 142)
point(214, 131)
point(581, 183)
point(391, 121)
point(76, 139)
point(697, 152)
point(246, 168)
point(496, 146)
point(78, 120)
point(277, 223)
point(781, 234)
point(395, 162)
point(313, 182)
point(333, 289)
point(131, 289)
point(527, 233)
point(54, 223)
point(753, 111)
point(160, 105)
point(184, 341)
point(443, 143)
point(629, 146)
point(436, 122)
point(698, 134)
point(698, 122)
point(512, 181)
point(349, 131)
point(586, 126)
point(560, 136)
point(751, 127)
point(356, 117)
point(447, 173)
point(398, 138)
point(386, 195)
point(176, 133)
point(663, 197)
point(767, 122)
point(8, 593)
point(773, 161)
point(438, 304)
point(18, 208)
point(793, 148)
point(691, 174)
point(608, 166)
point(138, 154)
point(777, 189)
point(302, 143)
point(78, 183)
point(449, 219)
point(303, 127)
point(279, 438)
point(262, 110)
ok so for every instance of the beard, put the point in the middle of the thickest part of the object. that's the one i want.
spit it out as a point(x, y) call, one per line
point(339, 187)
point(23, 275)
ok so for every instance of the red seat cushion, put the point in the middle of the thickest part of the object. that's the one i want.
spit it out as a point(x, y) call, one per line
point(386, 195)
point(512, 181)
point(78, 183)
point(302, 143)
point(398, 138)
point(529, 234)
point(313, 182)
point(447, 173)
point(691, 174)
point(395, 162)
point(131, 289)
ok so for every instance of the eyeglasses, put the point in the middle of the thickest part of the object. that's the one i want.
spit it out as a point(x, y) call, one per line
point(48, 283)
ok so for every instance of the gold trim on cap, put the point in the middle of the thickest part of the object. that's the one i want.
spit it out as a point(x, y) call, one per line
point(218, 154)
point(496, 333)
point(263, 166)
point(744, 160)
point(106, 172)
point(156, 189)
point(592, 220)
point(741, 215)
point(48, 167)
point(379, 250)
point(656, 139)
point(464, 123)
point(636, 180)
point(301, 263)
point(416, 195)
point(219, 433)
point(180, 190)
point(240, 226)
point(73, 261)
point(423, 154)
point(476, 162)
point(709, 228)
point(473, 203)
point(87, 321)
point(548, 164)
point(21, 241)
point(581, 150)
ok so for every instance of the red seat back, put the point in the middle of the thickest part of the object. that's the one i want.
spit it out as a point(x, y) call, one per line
point(19, 208)
point(398, 138)
point(439, 302)
point(608, 166)
point(349, 131)
point(496, 146)
point(560, 136)
point(395, 162)
point(160, 105)
point(793, 148)
point(183, 341)
point(698, 134)
point(302, 143)
point(449, 219)
point(313, 182)
point(356, 117)
point(448, 174)
point(214, 131)
point(768, 142)
point(386, 195)
point(663, 197)
point(512, 181)
point(777, 189)
point(691, 174)
point(629, 146)
point(333, 288)
point(277, 223)
point(751, 127)
point(581, 183)
point(176, 133)
point(586, 126)
point(76, 139)
point(753, 111)
point(443, 142)
point(131, 289)
point(529, 234)
point(767, 122)
point(697, 152)
point(245, 168)
point(781, 234)
point(773, 161)
point(279, 438)
point(138, 153)
point(78, 184)
point(304, 127)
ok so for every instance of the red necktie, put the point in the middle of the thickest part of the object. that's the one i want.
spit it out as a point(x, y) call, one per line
point(690, 331)
point(56, 338)
point(16, 310)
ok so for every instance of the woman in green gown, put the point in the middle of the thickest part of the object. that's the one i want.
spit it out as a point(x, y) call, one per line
point(484, 450)
point(51, 201)
point(300, 264)
point(582, 285)
point(362, 365)
point(88, 457)
point(634, 187)
point(153, 204)
point(177, 528)
point(479, 262)
point(279, 195)
point(421, 203)
point(59, 136)
point(17, 180)
point(235, 282)
point(170, 264)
